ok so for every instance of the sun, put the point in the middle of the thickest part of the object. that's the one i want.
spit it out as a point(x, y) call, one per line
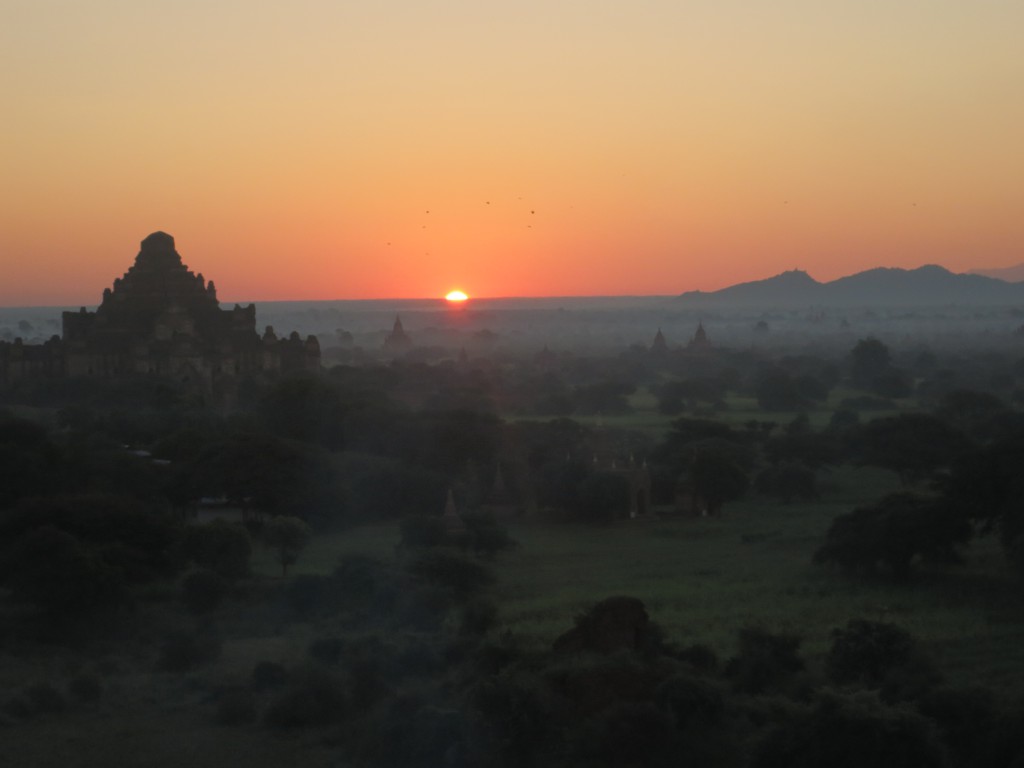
point(456, 296)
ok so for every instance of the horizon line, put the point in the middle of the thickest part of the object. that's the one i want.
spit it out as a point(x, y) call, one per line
point(436, 299)
point(69, 306)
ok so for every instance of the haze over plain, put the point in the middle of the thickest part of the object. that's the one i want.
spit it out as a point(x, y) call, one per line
point(331, 150)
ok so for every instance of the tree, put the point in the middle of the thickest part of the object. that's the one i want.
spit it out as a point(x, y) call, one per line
point(913, 445)
point(714, 461)
point(677, 396)
point(765, 661)
point(871, 369)
point(850, 732)
point(601, 497)
point(457, 575)
point(485, 535)
point(52, 569)
point(868, 358)
point(447, 441)
point(203, 591)
point(894, 531)
point(267, 475)
point(876, 654)
point(979, 414)
point(798, 444)
point(987, 485)
point(422, 532)
point(127, 535)
point(250, 471)
point(716, 478)
point(30, 462)
point(220, 546)
point(306, 408)
point(287, 536)
point(618, 623)
point(603, 397)
point(778, 391)
point(787, 481)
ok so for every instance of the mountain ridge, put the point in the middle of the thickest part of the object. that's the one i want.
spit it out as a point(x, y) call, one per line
point(1013, 274)
point(930, 284)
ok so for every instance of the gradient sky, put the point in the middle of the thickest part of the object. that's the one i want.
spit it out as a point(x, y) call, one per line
point(323, 149)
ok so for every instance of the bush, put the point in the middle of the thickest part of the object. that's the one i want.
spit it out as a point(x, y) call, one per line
point(44, 699)
point(601, 497)
point(237, 707)
point(614, 624)
point(52, 569)
point(691, 701)
point(852, 732)
point(967, 719)
point(316, 698)
point(441, 736)
point(787, 482)
point(18, 707)
point(627, 733)
point(203, 591)
point(589, 683)
point(765, 662)
point(85, 687)
point(422, 532)
point(699, 656)
point(478, 617)
point(327, 650)
point(485, 536)
point(268, 674)
point(368, 662)
point(125, 535)
point(518, 717)
point(181, 651)
point(309, 595)
point(39, 699)
point(287, 536)
point(874, 654)
point(220, 546)
point(458, 575)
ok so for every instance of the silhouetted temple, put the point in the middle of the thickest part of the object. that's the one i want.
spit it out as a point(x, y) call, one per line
point(659, 344)
point(398, 340)
point(700, 339)
point(163, 320)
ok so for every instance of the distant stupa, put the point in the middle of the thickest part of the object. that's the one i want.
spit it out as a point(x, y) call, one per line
point(398, 340)
point(700, 339)
point(659, 344)
point(452, 520)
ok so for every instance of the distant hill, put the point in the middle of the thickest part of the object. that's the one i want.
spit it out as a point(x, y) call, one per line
point(1014, 274)
point(924, 286)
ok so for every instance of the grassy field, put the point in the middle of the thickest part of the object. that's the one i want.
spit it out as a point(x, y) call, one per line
point(703, 579)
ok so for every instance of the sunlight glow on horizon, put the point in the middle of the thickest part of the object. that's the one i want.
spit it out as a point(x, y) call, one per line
point(329, 151)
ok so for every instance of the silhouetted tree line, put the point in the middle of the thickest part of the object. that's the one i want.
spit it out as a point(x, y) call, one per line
point(960, 469)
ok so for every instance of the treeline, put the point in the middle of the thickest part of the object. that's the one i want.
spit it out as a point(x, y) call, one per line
point(359, 445)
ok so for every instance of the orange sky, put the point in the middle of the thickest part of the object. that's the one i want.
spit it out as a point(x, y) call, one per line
point(561, 147)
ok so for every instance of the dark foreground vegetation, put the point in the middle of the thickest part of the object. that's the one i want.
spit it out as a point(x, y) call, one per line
point(655, 558)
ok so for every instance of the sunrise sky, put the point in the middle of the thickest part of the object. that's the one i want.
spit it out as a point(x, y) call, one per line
point(321, 149)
